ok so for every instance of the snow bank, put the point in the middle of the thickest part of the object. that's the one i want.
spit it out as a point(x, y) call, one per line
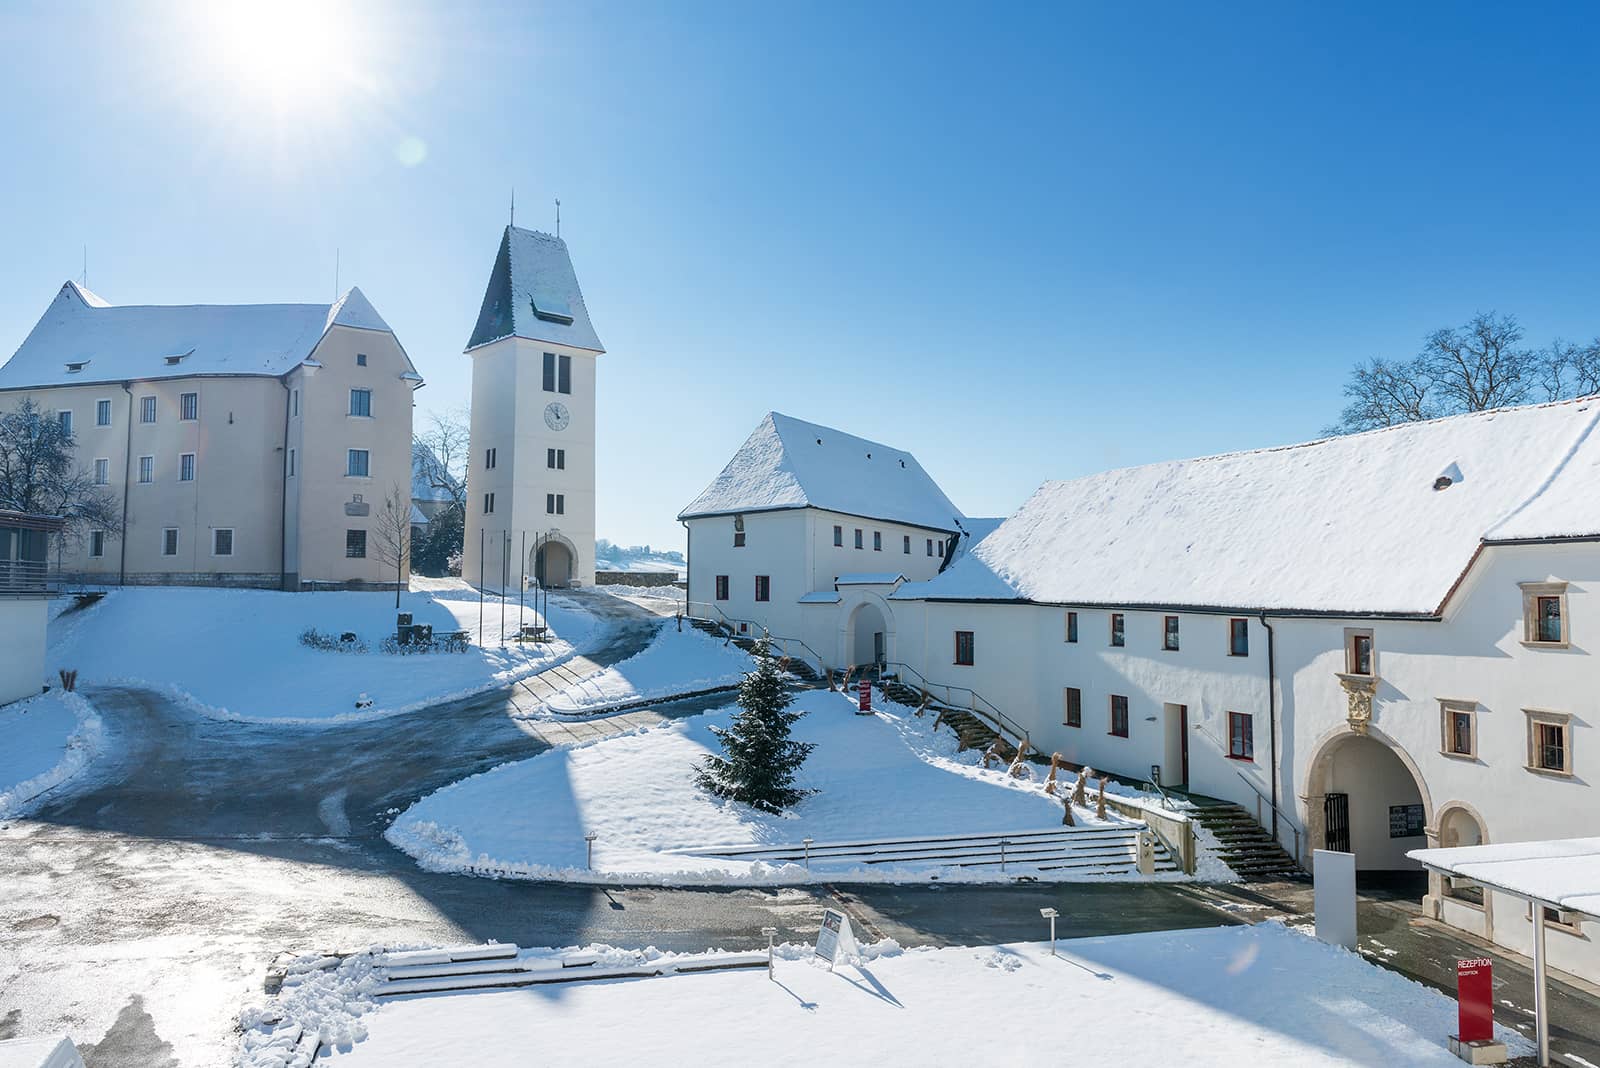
point(675, 662)
point(1230, 995)
point(236, 654)
point(885, 776)
point(47, 740)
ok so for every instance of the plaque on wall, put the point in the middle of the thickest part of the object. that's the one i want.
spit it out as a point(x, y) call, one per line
point(1406, 821)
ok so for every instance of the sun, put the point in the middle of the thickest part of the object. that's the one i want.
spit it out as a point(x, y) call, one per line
point(289, 56)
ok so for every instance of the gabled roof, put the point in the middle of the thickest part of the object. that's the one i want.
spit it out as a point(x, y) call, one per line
point(789, 463)
point(82, 339)
point(1346, 525)
point(533, 293)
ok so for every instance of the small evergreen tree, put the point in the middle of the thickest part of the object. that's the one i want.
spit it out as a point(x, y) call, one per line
point(760, 760)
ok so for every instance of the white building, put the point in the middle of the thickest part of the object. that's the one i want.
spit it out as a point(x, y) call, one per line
point(531, 470)
point(1374, 640)
point(249, 445)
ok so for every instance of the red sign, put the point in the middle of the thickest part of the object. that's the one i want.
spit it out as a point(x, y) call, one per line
point(1475, 999)
point(865, 691)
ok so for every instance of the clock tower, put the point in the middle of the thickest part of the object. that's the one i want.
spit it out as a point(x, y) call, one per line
point(530, 477)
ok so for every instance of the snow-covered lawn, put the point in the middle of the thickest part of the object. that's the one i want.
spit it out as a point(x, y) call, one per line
point(1233, 996)
point(44, 741)
point(675, 662)
point(237, 653)
point(884, 776)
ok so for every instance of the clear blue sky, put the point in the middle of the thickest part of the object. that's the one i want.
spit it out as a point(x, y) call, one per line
point(1022, 243)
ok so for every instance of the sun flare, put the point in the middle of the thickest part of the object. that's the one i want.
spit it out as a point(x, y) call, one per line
point(289, 55)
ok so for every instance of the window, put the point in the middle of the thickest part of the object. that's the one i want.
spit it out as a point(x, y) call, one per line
point(1238, 637)
point(361, 402)
point(356, 463)
point(97, 543)
point(565, 384)
point(1358, 652)
point(1558, 919)
point(186, 467)
point(488, 459)
point(65, 419)
point(189, 406)
point(1119, 715)
point(1072, 715)
point(147, 409)
point(222, 541)
point(1458, 729)
point(964, 648)
point(877, 541)
point(549, 372)
point(102, 472)
point(763, 587)
point(858, 538)
point(906, 548)
point(1547, 615)
point(555, 459)
point(1118, 634)
point(361, 359)
point(102, 413)
point(291, 463)
point(1169, 634)
point(169, 541)
point(1241, 736)
point(722, 587)
point(1544, 613)
point(488, 504)
point(355, 544)
point(1549, 742)
point(1072, 626)
point(838, 536)
point(738, 532)
point(939, 548)
point(294, 401)
point(555, 503)
point(930, 546)
point(147, 469)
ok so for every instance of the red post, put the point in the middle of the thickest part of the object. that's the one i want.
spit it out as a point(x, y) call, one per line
point(1475, 999)
point(864, 689)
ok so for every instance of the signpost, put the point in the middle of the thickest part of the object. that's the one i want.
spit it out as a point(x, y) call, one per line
point(864, 690)
point(835, 938)
point(1475, 1043)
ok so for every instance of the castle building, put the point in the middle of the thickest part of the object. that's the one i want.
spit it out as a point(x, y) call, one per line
point(531, 500)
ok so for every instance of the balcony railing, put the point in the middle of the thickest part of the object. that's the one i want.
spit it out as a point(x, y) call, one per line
point(25, 578)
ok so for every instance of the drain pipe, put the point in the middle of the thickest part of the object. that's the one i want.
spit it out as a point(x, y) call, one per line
point(127, 467)
point(1272, 719)
point(688, 566)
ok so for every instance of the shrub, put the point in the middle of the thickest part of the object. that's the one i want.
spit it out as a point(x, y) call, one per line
point(347, 642)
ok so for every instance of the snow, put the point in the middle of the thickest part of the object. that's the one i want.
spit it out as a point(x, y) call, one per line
point(236, 654)
point(534, 271)
point(675, 662)
point(119, 342)
point(1561, 872)
point(1346, 524)
point(789, 463)
point(41, 1051)
point(1221, 996)
point(889, 775)
point(870, 578)
point(48, 740)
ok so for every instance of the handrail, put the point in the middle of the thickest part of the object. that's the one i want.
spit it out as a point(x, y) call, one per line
point(726, 620)
point(1166, 801)
point(1260, 797)
point(999, 720)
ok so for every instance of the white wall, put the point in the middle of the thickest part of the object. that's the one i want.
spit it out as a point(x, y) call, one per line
point(22, 633)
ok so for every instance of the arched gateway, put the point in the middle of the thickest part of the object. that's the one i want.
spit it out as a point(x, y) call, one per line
point(1365, 796)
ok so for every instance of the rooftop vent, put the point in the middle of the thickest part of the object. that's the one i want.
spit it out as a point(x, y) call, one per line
point(1447, 478)
point(177, 358)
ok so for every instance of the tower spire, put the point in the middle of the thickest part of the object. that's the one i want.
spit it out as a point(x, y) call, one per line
point(558, 216)
point(513, 205)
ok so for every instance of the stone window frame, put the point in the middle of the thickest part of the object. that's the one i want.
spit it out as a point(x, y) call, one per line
point(1448, 706)
point(1571, 927)
point(1531, 592)
point(1537, 716)
point(1350, 636)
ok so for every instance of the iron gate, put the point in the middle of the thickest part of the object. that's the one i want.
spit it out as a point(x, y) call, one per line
point(1336, 822)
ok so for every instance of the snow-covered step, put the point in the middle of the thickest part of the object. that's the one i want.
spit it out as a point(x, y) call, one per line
point(491, 966)
point(485, 951)
point(798, 849)
point(541, 975)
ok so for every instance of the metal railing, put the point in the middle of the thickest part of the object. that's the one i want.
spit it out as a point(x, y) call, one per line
point(23, 578)
point(789, 648)
point(1261, 799)
point(974, 703)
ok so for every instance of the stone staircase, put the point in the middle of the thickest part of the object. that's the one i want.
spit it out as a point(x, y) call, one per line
point(1242, 843)
point(800, 669)
point(972, 731)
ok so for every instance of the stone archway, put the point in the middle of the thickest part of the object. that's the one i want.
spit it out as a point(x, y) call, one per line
point(554, 563)
point(866, 628)
point(1385, 801)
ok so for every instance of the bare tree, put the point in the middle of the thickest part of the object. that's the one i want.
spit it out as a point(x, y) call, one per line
point(439, 454)
point(391, 530)
point(1479, 365)
point(39, 473)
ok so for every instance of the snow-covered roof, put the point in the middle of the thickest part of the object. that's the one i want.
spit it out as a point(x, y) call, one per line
point(870, 578)
point(789, 463)
point(1348, 524)
point(82, 338)
point(1563, 873)
point(533, 293)
point(821, 597)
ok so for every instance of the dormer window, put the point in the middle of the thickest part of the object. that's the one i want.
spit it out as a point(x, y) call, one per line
point(1544, 614)
point(74, 366)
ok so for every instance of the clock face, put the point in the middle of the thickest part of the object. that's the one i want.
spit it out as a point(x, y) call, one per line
point(556, 416)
